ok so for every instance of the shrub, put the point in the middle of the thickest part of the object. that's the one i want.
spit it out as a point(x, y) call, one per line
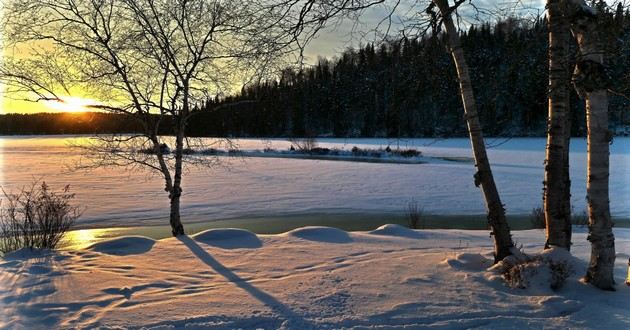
point(537, 218)
point(358, 152)
point(414, 215)
point(580, 220)
point(36, 218)
point(320, 151)
point(164, 149)
point(521, 273)
point(407, 153)
point(305, 144)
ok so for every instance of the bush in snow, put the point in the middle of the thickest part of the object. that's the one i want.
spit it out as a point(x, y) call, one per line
point(580, 220)
point(541, 270)
point(305, 144)
point(36, 218)
point(414, 215)
point(406, 153)
point(537, 218)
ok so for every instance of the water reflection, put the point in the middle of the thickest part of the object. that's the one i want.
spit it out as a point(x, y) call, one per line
point(83, 238)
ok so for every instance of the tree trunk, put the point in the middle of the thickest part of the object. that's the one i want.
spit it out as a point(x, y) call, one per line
point(176, 224)
point(496, 213)
point(176, 191)
point(557, 190)
point(590, 82)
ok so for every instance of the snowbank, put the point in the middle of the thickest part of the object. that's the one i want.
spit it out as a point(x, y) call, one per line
point(123, 246)
point(397, 230)
point(313, 277)
point(229, 238)
point(321, 234)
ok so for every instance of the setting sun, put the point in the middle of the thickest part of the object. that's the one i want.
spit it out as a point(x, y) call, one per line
point(72, 104)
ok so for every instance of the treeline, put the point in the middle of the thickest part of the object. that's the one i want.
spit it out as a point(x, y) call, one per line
point(400, 88)
point(409, 88)
point(66, 123)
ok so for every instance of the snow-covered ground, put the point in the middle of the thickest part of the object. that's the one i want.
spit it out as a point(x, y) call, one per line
point(314, 277)
point(249, 187)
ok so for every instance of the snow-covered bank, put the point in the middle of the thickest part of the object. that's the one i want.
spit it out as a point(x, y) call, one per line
point(313, 277)
point(365, 156)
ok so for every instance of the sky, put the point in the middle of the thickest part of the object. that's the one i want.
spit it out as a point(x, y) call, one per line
point(333, 40)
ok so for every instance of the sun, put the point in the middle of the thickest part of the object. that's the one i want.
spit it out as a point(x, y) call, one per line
point(71, 104)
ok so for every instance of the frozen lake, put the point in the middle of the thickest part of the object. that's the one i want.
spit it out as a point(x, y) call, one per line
point(267, 187)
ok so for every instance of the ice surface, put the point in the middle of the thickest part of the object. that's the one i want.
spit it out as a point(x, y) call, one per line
point(270, 186)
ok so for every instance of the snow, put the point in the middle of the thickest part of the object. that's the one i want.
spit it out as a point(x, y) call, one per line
point(124, 245)
point(396, 230)
point(255, 187)
point(321, 234)
point(229, 238)
point(313, 277)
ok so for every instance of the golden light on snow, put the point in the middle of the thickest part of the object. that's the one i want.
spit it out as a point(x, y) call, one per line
point(72, 104)
point(83, 238)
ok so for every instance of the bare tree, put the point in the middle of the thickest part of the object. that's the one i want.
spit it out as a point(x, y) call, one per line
point(154, 61)
point(590, 81)
point(557, 190)
point(496, 213)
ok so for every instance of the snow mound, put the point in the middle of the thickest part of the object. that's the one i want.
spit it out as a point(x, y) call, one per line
point(469, 262)
point(396, 230)
point(321, 234)
point(125, 245)
point(229, 238)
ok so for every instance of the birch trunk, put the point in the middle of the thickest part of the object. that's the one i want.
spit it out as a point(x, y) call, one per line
point(557, 190)
point(176, 191)
point(591, 83)
point(496, 213)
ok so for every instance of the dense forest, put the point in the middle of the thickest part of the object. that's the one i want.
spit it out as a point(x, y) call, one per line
point(409, 88)
point(66, 123)
point(399, 88)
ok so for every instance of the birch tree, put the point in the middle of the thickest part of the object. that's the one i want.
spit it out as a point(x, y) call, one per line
point(503, 243)
point(590, 80)
point(557, 190)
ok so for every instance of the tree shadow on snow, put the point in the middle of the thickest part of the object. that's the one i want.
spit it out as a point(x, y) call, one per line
point(295, 320)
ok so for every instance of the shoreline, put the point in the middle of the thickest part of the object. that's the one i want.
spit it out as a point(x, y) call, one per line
point(276, 224)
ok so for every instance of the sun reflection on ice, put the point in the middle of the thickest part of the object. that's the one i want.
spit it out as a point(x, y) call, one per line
point(83, 238)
